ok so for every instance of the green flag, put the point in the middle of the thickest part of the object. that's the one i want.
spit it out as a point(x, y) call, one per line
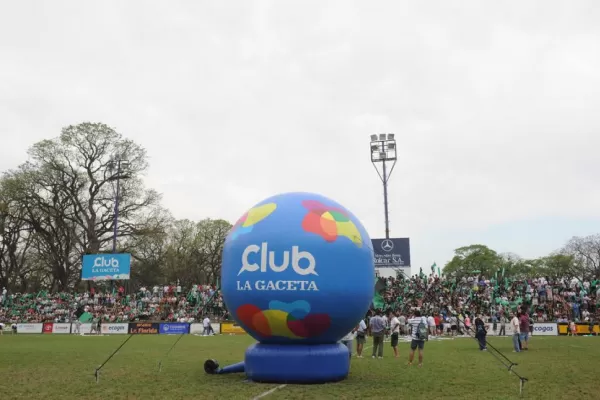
point(433, 268)
point(85, 317)
point(378, 302)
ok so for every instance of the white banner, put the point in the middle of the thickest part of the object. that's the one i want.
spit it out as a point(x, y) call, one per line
point(545, 329)
point(199, 328)
point(508, 328)
point(84, 328)
point(61, 328)
point(29, 328)
point(114, 329)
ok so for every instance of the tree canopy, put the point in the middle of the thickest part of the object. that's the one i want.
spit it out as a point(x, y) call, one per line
point(60, 204)
point(579, 259)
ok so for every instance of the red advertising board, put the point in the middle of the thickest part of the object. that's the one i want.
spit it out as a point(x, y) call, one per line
point(47, 327)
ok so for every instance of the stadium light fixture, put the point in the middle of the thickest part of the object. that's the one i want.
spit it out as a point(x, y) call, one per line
point(383, 151)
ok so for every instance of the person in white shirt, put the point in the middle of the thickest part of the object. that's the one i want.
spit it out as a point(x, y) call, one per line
point(207, 327)
point(1, 328)
point(514, 323)
point(361, 333)
point(431, 325)
point(349, 339)
point(77, 327)
point(395, 332)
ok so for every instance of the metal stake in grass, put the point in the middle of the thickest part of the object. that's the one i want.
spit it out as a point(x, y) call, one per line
point(97, 373)
point(496, 353)
point(166, 355)
point(201, 312)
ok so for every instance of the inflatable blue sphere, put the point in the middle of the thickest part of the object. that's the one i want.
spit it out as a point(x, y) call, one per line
point(298, 269)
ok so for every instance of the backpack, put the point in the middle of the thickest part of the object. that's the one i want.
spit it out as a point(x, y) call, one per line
point(422, 331)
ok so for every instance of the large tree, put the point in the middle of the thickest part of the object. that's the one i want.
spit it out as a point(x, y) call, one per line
point(67, 191)
point(475, 258)
point(194, 251)
point(15, 245)
point(90, 159)
point(586, 254)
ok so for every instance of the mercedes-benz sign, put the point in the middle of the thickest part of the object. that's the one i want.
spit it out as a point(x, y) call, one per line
point(393, 252)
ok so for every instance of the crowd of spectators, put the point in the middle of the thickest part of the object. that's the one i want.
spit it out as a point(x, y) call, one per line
point(168, 303)
point(547, 300)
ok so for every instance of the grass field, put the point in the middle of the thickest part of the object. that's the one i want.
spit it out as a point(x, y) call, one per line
point(62, 367)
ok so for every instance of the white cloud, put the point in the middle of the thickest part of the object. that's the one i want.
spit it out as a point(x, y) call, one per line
point(494, 106)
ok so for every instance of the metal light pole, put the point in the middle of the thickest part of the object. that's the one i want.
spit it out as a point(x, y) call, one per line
point(117, 164)
point(383, 150)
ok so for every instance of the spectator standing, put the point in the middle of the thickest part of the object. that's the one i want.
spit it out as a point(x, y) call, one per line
point(403, 326)
point(417, 340)
point(502, 326)
point(524, 328)
point(208, 330)
point(480, 333)
point(377, 328)
point(514, 324)
point(361, 333)
point(395, 332)
point(348, 340)
point(431, 325)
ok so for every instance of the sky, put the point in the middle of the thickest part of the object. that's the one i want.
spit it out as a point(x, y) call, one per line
point(494, 106)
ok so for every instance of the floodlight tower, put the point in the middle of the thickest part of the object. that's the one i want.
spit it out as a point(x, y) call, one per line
point(383, 150)
point(116, 165)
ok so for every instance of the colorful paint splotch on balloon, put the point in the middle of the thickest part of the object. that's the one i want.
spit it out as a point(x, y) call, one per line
point(246, 223)
point(329, 222)
point(287, 320)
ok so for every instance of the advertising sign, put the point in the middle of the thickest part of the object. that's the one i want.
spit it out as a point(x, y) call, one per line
point(545, 329)
point(47, 327)
point(394, 252)
point(29, 328)
point(114, 329)
point(61, 328)
point(507, 328)
point(105, 267)
point(582, 329)
point(231, 328)
point(174, 328)
point(143, 328)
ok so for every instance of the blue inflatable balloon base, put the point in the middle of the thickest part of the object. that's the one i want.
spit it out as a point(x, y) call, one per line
point(302, 363)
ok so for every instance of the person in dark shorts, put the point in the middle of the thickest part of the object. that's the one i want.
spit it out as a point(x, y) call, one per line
point(395, 332)
point(361, 333)
point(453, 325)
point(416, 341)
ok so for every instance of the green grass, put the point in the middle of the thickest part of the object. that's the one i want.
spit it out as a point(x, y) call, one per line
point(62, 367)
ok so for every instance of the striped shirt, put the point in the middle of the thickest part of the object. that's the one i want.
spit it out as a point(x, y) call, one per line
point(414, 324)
